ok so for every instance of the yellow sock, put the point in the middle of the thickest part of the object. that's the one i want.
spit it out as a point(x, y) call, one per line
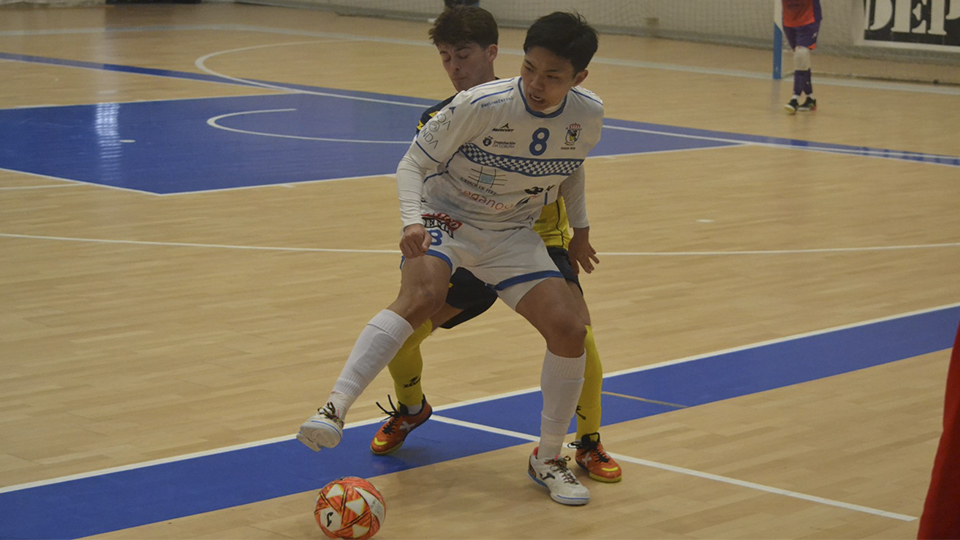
point(588, 408)
point(407, 366)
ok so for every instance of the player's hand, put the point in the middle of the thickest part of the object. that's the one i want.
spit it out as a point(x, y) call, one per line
point(581, 253)
point(415, 241)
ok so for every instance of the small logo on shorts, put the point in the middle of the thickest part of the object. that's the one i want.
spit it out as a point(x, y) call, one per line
point(441, 221)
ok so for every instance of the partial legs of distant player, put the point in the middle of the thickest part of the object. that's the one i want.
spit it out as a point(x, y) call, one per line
point(802, 39)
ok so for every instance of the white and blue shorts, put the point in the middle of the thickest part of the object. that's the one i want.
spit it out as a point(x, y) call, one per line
point(510, 261)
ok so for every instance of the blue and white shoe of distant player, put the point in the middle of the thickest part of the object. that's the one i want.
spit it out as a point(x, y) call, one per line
point(554, 475)
point(322, 430)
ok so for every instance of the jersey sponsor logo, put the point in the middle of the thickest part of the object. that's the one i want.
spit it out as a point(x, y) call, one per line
point(486, 201)
point(506, 145)
point(535, 193)
point(485, 179)
point(506, 127)
point(496, 102)
point(430, 135)
point(573, 133)
point(441, 221)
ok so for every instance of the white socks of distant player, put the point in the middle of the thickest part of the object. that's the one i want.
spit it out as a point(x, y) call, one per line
point(560, 381)
point(801, 59)
point(377, 345)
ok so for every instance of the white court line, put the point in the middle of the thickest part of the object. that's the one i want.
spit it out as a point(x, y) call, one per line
point(828, 81)
point(49, 186)
point(780, 340)
point(531, 438)
point(212, 122)
point(877, 153)
point(207, 246)
point(201, 64)
point(695, 473)
point(397, 251)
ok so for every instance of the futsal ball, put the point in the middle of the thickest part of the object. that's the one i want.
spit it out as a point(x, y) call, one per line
point(350, 508)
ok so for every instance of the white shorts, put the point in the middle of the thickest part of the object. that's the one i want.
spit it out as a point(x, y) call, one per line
point(511, 261)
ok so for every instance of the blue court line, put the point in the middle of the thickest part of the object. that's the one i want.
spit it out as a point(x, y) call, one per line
point(204, 77)
point(119, 500)
point(718, 137)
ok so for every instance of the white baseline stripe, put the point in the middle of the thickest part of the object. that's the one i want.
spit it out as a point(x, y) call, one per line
point(395, 251)
point(49, 186)
point(917, 157)
point(780, 340)
point(186, 244)
point(694, 473)
point(531, 438)
point(855, 83)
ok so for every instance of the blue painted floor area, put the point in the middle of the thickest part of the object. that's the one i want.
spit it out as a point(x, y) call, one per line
point(156, 493)
point(127, 499)
point(181, 146)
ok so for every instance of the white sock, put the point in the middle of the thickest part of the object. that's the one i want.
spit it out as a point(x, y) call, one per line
point(415, 409)
point(378, 343)
point(561, 380)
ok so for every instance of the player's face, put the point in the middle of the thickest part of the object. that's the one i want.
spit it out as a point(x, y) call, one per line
point(468, 65)
point(547, 78)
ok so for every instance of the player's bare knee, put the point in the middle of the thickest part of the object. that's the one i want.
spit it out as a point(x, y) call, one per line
point(566, 337)
point(419, 303)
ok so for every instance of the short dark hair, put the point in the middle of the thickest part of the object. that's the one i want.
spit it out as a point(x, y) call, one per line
point(566, 35)
point(459, 25)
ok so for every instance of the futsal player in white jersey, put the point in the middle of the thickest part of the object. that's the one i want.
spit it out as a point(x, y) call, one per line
point(471, 186)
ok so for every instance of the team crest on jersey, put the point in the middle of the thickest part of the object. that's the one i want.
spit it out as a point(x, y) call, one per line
point(441, 221)
point(573, 133)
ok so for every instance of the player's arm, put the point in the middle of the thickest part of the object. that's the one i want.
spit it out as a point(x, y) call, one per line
point(580, 252)
point(414, 240)
point(435, 143)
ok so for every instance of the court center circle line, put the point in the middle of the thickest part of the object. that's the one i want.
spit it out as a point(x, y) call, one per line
point(212, 122)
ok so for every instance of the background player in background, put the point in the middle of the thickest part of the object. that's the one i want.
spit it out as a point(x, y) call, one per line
point(462, 204)
point(466, 38)
point(801, 24)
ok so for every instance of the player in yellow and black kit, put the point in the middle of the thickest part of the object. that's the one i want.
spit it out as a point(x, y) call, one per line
point(466, 38)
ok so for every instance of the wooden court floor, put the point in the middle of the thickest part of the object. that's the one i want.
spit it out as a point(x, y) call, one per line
point(137, 327)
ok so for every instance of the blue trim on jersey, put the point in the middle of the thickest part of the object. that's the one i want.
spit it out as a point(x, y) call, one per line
point(527, 277)
point(586, 95)
point(485, 96)
point(424, 150)
point(520, 165)
point(526, 105)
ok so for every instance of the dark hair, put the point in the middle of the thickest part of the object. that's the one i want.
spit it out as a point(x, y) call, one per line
point(459, 25)
point(566, 35)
